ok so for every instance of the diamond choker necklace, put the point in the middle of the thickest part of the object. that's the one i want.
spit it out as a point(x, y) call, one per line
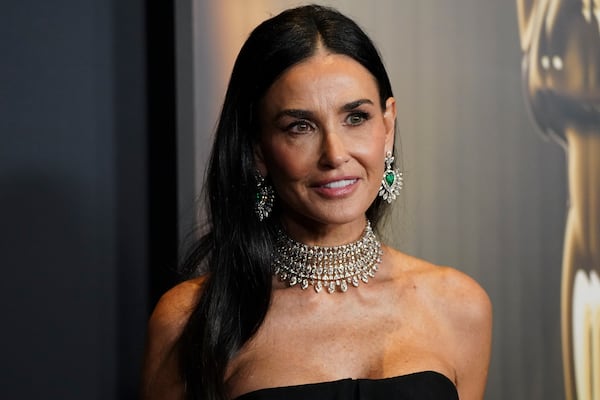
point(329, 267)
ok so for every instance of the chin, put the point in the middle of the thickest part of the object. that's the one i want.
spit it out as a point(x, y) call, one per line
point(329, 212)
point(340, 216)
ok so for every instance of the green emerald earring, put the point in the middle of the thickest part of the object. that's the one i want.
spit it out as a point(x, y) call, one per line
point(392, 180)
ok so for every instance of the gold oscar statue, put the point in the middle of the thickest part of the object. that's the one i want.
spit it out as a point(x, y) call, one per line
point(560, 40)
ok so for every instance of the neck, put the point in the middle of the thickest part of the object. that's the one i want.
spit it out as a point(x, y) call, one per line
point(314, 233)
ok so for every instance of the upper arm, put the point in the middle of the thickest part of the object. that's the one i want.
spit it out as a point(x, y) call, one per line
point(470, 313)
point(161, 378)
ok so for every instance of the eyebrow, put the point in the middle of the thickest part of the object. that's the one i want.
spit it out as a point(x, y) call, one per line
point(300, 114)
point(355, 104)
point(305, 114)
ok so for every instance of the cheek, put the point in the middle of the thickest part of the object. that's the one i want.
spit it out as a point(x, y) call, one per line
point(288, 163)
point(377, 163)
point(372, 151)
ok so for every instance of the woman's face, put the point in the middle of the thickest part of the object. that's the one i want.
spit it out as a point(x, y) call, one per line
point(323, 140)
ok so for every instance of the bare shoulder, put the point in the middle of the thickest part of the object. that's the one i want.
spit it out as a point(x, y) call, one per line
point(452, 292)
point(467, 313)
point(460, 296)
point(463, 312)
point(160, 374)
point(174, 307)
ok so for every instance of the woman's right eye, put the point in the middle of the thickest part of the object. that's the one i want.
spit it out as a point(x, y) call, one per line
point(301, 126)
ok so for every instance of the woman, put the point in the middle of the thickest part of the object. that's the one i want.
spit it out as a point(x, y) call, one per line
point(296, 294)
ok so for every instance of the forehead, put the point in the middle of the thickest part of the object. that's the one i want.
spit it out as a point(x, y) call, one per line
point(322, 78)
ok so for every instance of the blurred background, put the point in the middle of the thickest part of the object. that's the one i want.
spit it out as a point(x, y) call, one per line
point(106, 115)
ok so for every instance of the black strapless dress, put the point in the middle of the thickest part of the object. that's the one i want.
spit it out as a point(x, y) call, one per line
point(427, 385)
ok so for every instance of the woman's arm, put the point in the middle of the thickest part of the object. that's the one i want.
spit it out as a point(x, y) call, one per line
point(161, 377)
point(469, 313)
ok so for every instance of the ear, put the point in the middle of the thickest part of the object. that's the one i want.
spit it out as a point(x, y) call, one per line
point(389, 120)
point(259, 160)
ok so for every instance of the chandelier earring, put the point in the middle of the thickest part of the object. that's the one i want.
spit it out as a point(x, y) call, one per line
point(265, 197)
point(392, 180)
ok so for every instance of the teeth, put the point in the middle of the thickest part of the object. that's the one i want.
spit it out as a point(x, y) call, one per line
point(339, 184)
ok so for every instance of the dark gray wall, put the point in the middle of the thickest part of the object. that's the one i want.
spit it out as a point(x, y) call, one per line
point(73, 212)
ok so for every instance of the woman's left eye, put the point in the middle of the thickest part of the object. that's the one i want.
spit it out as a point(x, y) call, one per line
point(357, 118)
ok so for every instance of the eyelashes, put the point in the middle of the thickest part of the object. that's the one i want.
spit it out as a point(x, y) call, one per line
point(356, 118)
point(300, 126)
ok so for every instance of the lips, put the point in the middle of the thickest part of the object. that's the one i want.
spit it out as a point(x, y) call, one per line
point(339, 184)
point(336, 188)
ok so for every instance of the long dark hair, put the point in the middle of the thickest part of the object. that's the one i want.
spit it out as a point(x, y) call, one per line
point(235, 253)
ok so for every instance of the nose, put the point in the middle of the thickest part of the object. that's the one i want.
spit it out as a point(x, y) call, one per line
point(333, 150)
